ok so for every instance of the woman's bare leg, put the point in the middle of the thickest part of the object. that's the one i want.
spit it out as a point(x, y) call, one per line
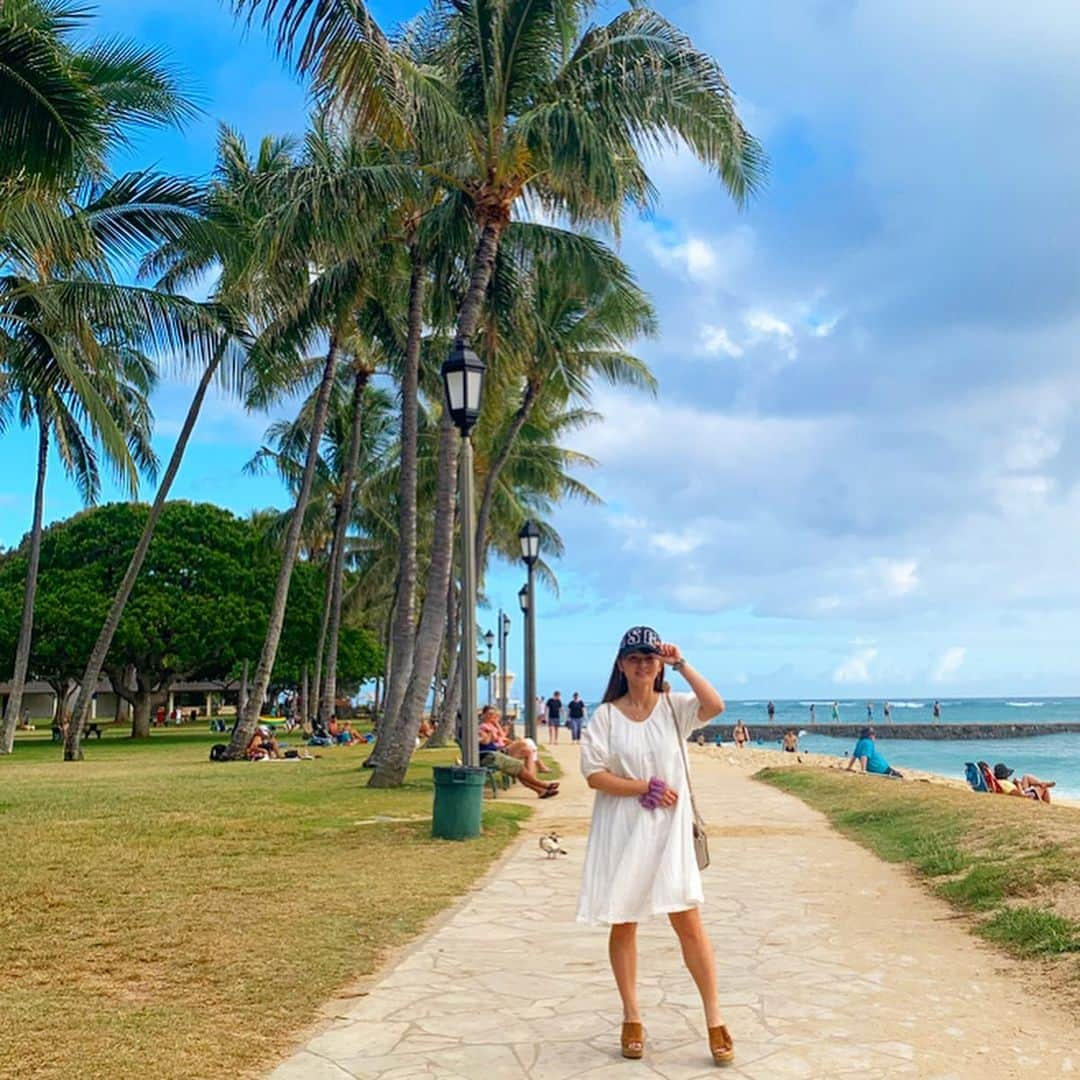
point(622, 951)
point(698, 956)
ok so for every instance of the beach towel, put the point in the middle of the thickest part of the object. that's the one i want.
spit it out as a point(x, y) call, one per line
point(975, 777)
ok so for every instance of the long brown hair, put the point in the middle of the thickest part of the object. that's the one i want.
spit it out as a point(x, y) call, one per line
point(617, 685)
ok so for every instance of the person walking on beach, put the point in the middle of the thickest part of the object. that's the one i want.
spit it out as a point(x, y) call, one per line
point(813, 713)
point(836, 712)
point(575, 712)
point(740, 734)
point(640, 856)
point(887, 712)
point(554, 707)
point(771, 710)
point(937, 710)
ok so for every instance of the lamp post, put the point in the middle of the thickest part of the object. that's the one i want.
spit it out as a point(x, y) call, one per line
point(529, 705)
point(504, 633)
point(463, 383)
point(530, 552)
point(489, 641)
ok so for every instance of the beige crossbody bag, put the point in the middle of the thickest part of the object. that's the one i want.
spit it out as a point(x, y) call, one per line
point(701, 838)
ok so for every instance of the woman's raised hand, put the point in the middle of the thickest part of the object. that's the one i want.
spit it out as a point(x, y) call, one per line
point(670, 654)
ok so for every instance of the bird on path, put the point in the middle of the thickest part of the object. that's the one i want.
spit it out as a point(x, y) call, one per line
point(550, 845)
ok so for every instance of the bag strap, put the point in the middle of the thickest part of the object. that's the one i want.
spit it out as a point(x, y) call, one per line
point(698, 819)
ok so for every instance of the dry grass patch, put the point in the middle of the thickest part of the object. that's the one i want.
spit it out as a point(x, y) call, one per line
point(1012, 863)
point(169, 917)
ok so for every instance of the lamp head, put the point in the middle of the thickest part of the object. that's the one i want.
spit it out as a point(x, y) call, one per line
point(463, 385)
point(530, 542)
point(523, 598)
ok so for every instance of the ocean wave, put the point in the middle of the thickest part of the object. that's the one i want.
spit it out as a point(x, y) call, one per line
point(907, 704)
point(1025, 704)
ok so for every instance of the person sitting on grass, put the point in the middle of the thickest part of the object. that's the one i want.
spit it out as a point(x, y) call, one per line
point(866, 754)
point(263, 745)
point(1027, 786)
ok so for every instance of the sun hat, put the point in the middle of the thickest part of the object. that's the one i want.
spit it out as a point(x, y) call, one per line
point(1002, 771)
point(640, 639)
point(263, 729)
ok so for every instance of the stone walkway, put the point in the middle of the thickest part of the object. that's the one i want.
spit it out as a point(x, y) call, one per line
point(831, 965)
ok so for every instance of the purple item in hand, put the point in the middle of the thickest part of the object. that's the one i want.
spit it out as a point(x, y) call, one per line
point(651, 799)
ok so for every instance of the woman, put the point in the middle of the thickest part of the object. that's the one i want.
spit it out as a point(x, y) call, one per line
point(741, 734)
point(640, 857)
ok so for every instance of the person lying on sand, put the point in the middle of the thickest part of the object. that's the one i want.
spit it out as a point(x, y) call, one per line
point(1026, 786)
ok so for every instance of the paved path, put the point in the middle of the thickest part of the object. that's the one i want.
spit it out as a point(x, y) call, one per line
point(831, 965)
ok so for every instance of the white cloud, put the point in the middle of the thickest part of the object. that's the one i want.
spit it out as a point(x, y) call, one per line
point(715, 339)
point(764, 326)
point(824, 328)
point(900, 576)
point(856, 668)
point(694, 258)
point(676, 543)
point(949, 663)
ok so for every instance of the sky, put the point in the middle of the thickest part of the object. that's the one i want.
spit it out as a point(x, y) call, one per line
point(859, 478)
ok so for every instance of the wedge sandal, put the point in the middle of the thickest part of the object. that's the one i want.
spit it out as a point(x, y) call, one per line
point(721, 1045)
point(633, 1041)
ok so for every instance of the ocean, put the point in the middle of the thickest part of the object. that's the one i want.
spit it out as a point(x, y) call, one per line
point(1051, 757)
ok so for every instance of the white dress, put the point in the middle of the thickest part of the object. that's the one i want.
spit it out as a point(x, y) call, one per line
point(639, 862)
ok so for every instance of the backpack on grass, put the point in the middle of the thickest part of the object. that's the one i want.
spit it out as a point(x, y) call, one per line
point(218, 751)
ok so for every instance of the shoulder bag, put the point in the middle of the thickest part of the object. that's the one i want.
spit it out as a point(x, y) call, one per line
point(701, 838)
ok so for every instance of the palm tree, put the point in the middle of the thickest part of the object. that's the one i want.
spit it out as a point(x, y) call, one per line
point(519, 99)
point(76, 347)
point(68, 105)
point(333, 248)
point(229, 237)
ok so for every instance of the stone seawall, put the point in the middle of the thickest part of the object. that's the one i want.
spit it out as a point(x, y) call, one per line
point(775, 732)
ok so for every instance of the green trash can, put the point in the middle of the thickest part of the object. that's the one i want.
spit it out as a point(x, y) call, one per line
point(459, 801)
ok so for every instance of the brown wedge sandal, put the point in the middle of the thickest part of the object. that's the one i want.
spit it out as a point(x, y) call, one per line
point(720, 1045)
point(633, 1041)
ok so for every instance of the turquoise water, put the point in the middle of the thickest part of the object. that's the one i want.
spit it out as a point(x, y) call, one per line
point(1051, 757)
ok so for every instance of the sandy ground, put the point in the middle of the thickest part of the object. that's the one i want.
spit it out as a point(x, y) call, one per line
point(831, 964)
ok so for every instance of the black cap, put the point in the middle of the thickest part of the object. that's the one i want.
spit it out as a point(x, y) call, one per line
point(640, 639)
point(866, 733)
point(1002, 771)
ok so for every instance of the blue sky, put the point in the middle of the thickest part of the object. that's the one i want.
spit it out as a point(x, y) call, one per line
point(859, 478)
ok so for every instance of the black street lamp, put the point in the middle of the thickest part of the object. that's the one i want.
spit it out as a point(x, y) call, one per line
point(529, 707)
point(463, 385)
point(504, 633)
point(530, 552)
point(489, 641)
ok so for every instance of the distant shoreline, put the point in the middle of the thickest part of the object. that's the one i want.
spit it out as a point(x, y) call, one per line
point(775, 732)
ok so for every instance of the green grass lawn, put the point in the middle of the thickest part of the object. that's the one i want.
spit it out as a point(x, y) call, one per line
point(1012, 864)
point(169, 917)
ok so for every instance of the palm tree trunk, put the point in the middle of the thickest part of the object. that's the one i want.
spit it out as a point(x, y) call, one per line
point(324, 623)
point(498, 463)
point(397, 740)
point(441, 705)
point(26, 627)
point(73, 743)
point(403, 631)
point(400, 735)
point(243, 731)
point(337, 565)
